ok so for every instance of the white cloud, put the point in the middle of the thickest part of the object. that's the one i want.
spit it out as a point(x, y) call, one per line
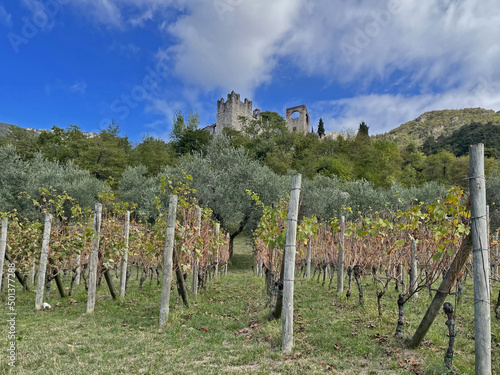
point(424, 54)
point(5, 17)
point(447, 43)
point(386, 112)
point(230, 44)
point(226, 44)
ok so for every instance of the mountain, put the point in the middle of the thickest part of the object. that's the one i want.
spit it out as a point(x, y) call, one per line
point(439, 123)
point(4, 128)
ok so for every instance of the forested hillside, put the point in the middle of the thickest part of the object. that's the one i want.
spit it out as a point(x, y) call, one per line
point(439, 124)
point(373, 158)
point(358, 171)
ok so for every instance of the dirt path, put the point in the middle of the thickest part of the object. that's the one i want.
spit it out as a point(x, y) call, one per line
point(243, 258)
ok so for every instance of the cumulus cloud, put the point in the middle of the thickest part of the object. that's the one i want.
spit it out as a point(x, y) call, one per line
point(396, 58)
point(385, 112)
point(238, 43)
point(448, 43)
point(230, 44)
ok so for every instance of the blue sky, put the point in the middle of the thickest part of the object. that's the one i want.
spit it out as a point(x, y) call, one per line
point(87, 62)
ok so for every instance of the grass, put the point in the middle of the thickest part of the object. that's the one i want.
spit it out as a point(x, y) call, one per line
point(225, 331)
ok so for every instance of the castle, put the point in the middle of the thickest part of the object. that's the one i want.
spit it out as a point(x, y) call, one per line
point(230, 112)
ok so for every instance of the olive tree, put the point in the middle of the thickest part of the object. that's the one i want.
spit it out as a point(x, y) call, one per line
point(222, 177)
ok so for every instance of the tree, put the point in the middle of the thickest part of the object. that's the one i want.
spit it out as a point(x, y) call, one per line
point(363, 131)
point(62, 145)
point(221, 179)
point(25, 141)
point(136, 187)
point(107, 154)
point(192, 141)
point(28, 176)
point(180, 127)
point(321, 128)
point(154, 154)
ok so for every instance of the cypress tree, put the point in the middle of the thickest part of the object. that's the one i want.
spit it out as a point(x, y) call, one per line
point(321, 128)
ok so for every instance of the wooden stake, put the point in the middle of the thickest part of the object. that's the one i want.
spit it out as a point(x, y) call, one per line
point(31, 276)
point(78, 269)
point(288, 278)
point(123, 273)
point(443, 291)
point(196, 261)
point(42, 267)
point(340, 264)
point(308, 260)
point(413, 269)
point(480, 260)
point(167, 260)
point(94, 258)
point(217, 230)
point(495, 258)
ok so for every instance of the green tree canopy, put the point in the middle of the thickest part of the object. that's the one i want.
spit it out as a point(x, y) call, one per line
point(153, 153)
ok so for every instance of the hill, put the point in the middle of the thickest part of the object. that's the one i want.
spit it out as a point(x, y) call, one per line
point(4, 128)
point(439, 124)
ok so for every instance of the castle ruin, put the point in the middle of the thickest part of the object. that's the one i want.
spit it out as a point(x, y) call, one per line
point(299, 124)
point(230, 112)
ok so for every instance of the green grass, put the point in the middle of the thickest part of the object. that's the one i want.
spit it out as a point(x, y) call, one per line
point(225, 331)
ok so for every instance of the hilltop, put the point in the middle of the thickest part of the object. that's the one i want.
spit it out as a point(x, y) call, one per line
point(439, 124)
point(4, 128)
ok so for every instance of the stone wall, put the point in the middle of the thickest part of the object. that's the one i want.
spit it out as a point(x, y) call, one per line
point(300, 124)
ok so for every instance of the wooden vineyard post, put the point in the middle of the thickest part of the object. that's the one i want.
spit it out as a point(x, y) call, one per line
point(289, 271)
point(227, 261)
point(308, 260)
point(3, 245)
point(480, 260)
point(181, 285)
point(94, 258)
point(217, 230)
point(413, 268)
point(42, 267)
point(196, 261)
point(123, 273)
point(78, 269)
point(168, 252)
point(340, 264)
point(495, 258)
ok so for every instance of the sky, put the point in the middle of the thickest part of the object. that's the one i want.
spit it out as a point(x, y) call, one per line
point(136, 62)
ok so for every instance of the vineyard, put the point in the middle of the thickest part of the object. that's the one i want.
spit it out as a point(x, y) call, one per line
point(366, 285)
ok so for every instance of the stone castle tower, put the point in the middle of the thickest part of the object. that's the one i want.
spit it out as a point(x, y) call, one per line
point(230, 111)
